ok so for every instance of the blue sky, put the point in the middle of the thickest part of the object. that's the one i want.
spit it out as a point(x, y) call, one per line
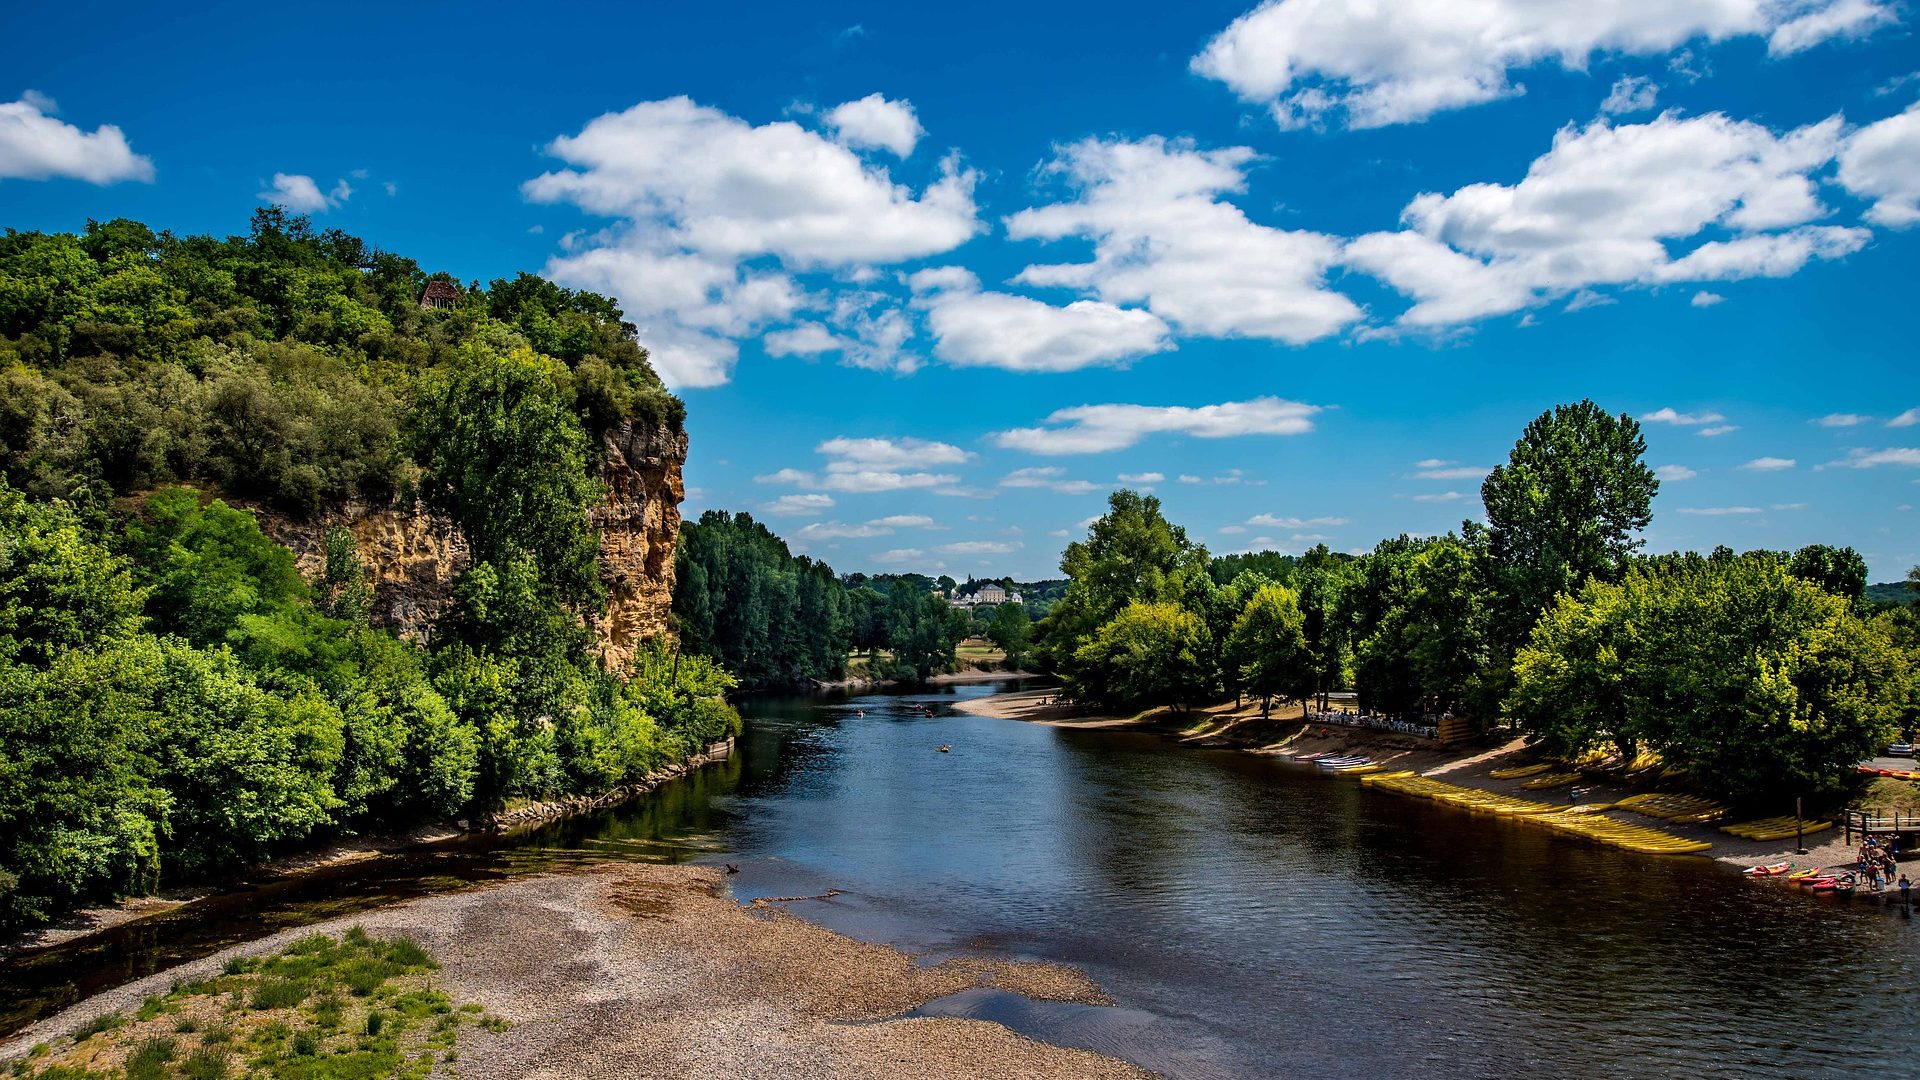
point(932, 282)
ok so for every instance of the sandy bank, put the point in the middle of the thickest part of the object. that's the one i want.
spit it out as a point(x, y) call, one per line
point(1468, 765)
point(651, 971)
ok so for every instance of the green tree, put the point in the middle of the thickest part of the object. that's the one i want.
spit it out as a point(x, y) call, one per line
point(1267, 647)
point(1839, 570)
point(1131, 554)
point(79, 814)
point(1148, 653)
point(1012, 631)
point(923, 631)
point(60, 589)
point(1568, 505)
point(1761, 684)
point(508, 460)
point(209, 565)
point(1428, 651)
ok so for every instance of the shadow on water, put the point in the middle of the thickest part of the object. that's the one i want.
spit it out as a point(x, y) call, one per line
point(675, 823)
point(1250, 917)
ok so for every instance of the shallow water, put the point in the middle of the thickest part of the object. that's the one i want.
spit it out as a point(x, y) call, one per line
point(1249, 917)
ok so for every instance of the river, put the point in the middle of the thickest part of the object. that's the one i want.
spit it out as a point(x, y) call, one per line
point(1248, 916)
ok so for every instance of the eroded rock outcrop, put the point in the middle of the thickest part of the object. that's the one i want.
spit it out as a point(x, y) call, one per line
point(639, 523)
point(412, 556)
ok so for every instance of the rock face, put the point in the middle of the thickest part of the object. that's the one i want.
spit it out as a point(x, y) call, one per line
point(412, 556)
point(639, 523)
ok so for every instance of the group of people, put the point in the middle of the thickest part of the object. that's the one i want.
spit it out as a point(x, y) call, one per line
point(1426, 725)
point(1878, 865)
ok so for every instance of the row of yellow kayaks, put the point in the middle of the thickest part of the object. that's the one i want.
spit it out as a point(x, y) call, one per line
point(1775, 828)
point(1488, 802)
point(1550, 780)
point(1585, 821)
point(1520, 771)
point(1679, 809)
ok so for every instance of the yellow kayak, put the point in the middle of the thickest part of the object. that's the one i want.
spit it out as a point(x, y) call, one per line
point(1550, 780)
point(1520, 771)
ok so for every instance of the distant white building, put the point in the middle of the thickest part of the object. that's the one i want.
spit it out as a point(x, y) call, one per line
point(986, 594)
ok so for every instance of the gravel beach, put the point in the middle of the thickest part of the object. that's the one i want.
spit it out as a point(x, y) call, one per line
point(651, 971)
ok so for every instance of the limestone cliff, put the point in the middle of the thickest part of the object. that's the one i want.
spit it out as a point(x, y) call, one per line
point(639, 523)
point(412, 556)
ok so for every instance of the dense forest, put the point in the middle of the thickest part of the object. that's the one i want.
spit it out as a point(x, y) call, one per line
point(775, 619)
point(175, 698)
point(1760, 673)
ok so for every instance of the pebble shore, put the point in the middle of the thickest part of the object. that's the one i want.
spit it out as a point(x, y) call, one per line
point(652, 971)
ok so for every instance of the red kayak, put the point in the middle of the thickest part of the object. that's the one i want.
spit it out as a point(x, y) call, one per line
point(1823, 884)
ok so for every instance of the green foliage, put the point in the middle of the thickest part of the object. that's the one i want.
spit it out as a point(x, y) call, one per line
point(1839, 570)
point(59, 588)
point(356, 1008)
point(1568, 505)
point(1756, 681)
point(275, 366)
point(1012, 630)
point(774, 619)
point(684, 695)
point(1427, 649)
point(1266, 651)
point(207, 566)
point(1148, 653)
point(1132, 554)
point(922, 631)
point(79, 812)
point(508, 461)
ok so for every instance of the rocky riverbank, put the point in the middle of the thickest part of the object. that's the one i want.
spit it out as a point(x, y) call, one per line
point(652, 971)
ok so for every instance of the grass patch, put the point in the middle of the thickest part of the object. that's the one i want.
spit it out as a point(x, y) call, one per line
point(355, 1008)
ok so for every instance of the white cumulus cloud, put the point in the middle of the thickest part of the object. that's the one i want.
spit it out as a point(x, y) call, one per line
point(798, 505)
point(978, 547)
point(1769, 464)
point(875, 465)
point(695, 194)
point(36, 146)
point(1093, 429)
point(1670, 415)
point(972, 328)
point(877, 122)
point(1630, 94)
point(1903, 456)
point(1372, 64)
point(1668, 474)
point(1615, 206)
point(301, 194)
point(1882, 162)
point(1163, 236)
point(1051, 477)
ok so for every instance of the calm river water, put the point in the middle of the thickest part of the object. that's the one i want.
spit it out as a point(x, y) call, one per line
point(1250, 917)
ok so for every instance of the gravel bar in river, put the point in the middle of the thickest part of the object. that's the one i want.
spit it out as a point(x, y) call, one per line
point(651, 971)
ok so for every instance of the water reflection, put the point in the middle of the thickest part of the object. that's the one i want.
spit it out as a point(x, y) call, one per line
point(1250, 917)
